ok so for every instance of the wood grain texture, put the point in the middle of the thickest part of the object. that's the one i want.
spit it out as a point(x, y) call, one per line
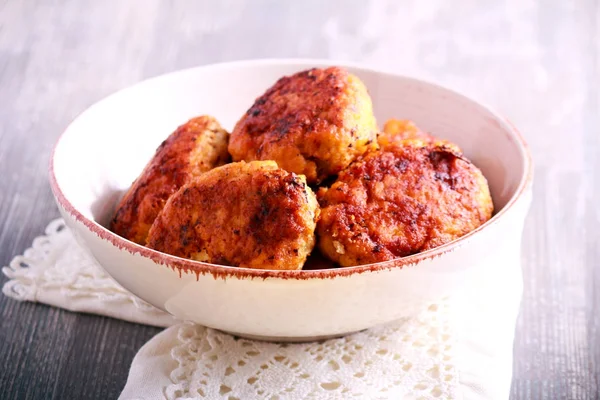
point(535, 61)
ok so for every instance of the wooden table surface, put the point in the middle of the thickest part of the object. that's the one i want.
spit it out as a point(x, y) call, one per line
point(537, 62)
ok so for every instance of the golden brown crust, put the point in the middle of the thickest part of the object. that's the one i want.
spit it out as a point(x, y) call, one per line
point(252, 215)
point(194, 148)
point(408, 198)
point(396, 130)
point(315, 123)
point(403, 132)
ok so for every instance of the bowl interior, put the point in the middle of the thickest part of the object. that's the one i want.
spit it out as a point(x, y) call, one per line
point(105, 149)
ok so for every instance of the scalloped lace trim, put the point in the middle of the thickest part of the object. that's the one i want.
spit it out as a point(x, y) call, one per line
point(56, 264)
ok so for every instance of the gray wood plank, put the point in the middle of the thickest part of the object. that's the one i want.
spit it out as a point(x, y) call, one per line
point(536, 61)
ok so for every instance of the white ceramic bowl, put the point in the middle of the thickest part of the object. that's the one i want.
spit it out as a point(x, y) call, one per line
point(106, 147)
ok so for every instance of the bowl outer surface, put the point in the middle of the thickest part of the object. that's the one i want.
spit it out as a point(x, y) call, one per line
point(94, 163)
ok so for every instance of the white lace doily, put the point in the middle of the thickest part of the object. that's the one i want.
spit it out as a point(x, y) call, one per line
point(58, 272)
point(419, 358)
point(407, 359)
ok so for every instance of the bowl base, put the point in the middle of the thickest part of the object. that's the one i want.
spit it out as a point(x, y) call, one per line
point(288, 339)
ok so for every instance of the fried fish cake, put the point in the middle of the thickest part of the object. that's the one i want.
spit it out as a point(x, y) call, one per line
point(194, 148)
point(252, 215)
point(398, 130)
point(314, 123)
point(404, 132)
point(405, 199)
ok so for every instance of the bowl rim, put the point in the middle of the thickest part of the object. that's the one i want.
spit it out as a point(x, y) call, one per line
point(222, 271)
